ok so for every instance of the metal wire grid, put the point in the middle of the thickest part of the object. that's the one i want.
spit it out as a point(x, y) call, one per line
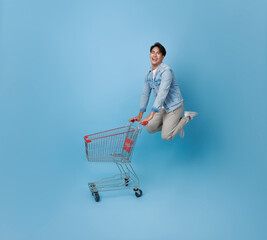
point(108, 146)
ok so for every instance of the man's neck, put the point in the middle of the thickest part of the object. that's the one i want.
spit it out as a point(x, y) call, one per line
point(155, 66)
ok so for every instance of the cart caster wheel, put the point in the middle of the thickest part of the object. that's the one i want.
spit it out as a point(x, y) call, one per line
point(138, 194)
point(126, 181)
point(97, 197)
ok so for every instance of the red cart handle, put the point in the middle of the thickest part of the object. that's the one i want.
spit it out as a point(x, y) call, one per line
point(87, 140)
point(143, 123)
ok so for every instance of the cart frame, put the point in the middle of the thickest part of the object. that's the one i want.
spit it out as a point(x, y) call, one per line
point(117, 146)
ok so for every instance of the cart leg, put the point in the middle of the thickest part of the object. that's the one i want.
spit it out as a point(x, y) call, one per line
point(94, 192)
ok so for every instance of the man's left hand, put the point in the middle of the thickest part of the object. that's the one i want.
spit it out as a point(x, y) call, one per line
point(149, 117)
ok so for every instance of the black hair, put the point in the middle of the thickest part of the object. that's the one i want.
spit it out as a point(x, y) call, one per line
point(161, 48)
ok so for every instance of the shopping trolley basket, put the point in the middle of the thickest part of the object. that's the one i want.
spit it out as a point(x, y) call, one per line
point(115, 145)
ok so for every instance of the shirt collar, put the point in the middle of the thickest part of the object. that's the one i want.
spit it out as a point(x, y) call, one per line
point(158, 68)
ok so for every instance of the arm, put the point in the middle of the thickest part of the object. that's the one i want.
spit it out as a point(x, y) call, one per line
point(145, 96)
point(144, 100)
point(162, 94)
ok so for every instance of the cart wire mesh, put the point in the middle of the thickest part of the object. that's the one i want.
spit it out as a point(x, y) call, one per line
point(115, 145)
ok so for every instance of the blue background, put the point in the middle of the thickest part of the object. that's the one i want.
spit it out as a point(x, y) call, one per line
point(70, 68)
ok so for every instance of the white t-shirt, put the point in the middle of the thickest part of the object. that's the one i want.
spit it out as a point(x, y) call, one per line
point(154, 72)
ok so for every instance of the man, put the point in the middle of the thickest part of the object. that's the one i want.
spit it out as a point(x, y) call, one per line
point(166, 114)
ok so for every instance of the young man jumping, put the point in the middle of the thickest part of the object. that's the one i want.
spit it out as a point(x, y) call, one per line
point(166, 113)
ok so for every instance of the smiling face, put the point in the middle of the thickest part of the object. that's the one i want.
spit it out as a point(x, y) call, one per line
point(156, 57)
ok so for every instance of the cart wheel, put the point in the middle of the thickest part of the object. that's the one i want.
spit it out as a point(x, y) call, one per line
point(126, 181)
point(138, 194)
point(97, 197)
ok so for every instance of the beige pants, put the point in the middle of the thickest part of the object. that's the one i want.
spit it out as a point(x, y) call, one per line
point(169, 124)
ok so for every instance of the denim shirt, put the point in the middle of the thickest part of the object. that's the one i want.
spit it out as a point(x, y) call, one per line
point(166, 90)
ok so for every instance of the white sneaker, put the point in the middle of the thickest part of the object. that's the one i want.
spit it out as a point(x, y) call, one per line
point(190, 114)
point(181, 133)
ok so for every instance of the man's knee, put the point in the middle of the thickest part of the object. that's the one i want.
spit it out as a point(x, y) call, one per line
point(166, 136)
point(152, 129)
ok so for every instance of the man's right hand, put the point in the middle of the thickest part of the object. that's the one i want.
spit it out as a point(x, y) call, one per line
point(138, 118)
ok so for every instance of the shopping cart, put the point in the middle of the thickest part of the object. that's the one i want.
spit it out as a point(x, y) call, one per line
point(115, 145)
